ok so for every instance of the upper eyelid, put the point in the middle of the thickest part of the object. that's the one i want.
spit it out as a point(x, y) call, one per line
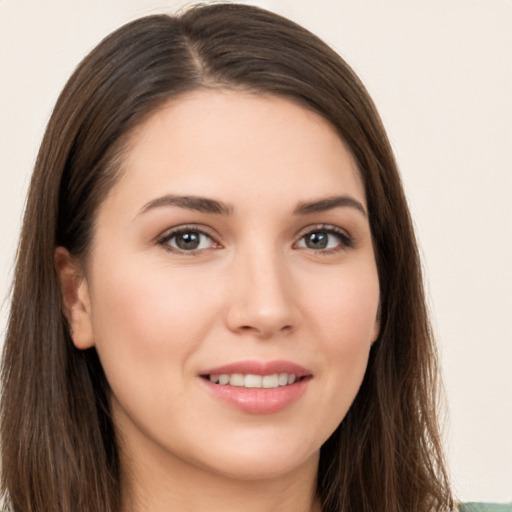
point(322, 227)
point(176, 230)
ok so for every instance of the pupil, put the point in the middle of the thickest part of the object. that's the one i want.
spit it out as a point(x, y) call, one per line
point(317, 240)
point(188, 240)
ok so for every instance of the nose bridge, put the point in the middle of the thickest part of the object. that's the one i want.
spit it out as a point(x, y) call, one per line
point(262, 297)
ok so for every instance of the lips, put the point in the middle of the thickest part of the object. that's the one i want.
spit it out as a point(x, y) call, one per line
point(258, 387)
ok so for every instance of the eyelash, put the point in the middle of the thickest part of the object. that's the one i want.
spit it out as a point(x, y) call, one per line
point(164, 240)
point(345, 241)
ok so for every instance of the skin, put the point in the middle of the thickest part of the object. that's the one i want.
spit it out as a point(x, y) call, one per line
point(254, 290)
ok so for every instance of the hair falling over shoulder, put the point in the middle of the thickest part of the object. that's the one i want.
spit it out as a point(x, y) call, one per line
point(58, 444)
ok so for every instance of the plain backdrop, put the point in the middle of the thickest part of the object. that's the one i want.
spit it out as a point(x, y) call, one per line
point(440, 72)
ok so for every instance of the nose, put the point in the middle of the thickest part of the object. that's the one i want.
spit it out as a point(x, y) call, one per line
point(262, 297)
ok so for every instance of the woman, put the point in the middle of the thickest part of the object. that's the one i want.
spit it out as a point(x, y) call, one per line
point(218, 299)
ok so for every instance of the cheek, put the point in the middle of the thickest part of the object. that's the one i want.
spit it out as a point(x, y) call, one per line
point(144, 299)
point(345, 307)
point(343, 314)
point(147, 322)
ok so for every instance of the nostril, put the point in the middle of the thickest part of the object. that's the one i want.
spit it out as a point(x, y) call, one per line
point(263, 331)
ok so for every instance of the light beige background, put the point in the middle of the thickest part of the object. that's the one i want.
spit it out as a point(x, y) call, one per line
point(440, 72)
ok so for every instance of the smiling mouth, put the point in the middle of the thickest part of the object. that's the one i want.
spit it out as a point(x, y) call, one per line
point(258, 387)
point(254, 381)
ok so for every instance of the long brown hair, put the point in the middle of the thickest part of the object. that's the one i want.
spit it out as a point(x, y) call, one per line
point(59, 451)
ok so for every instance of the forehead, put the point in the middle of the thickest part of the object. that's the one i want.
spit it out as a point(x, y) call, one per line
point(236, 145)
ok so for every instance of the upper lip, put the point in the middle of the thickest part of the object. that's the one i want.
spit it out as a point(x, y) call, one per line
point(259, 368)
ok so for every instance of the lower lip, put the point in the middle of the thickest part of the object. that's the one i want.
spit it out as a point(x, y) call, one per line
point(259, 400)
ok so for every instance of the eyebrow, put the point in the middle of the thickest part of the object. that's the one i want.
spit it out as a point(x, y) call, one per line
point(329, 203)
point(199, 204)
point(206, 205)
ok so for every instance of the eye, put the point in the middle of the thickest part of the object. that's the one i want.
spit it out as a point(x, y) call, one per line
point(187, 239)
point(327, 239)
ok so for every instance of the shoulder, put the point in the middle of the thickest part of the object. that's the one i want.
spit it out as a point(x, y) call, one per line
point(484, 507)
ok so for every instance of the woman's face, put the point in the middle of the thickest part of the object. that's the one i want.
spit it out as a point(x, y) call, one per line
point(234, 248)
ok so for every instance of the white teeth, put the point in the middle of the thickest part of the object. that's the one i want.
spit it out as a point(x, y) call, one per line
point(223, 379)
point(283, 379)
point(254, 381)
point(270, 381)
point(237, 379)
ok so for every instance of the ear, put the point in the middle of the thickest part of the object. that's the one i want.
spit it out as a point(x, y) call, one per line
point(376, 327)
point(76, 303)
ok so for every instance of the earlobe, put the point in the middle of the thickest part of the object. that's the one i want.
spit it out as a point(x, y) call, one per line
point(376, 327)
point(76, 303)
point(376, 332)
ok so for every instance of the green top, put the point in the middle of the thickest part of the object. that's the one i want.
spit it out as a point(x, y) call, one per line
point(485, 507)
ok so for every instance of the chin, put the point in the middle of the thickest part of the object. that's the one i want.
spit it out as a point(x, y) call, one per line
point(262, 462)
